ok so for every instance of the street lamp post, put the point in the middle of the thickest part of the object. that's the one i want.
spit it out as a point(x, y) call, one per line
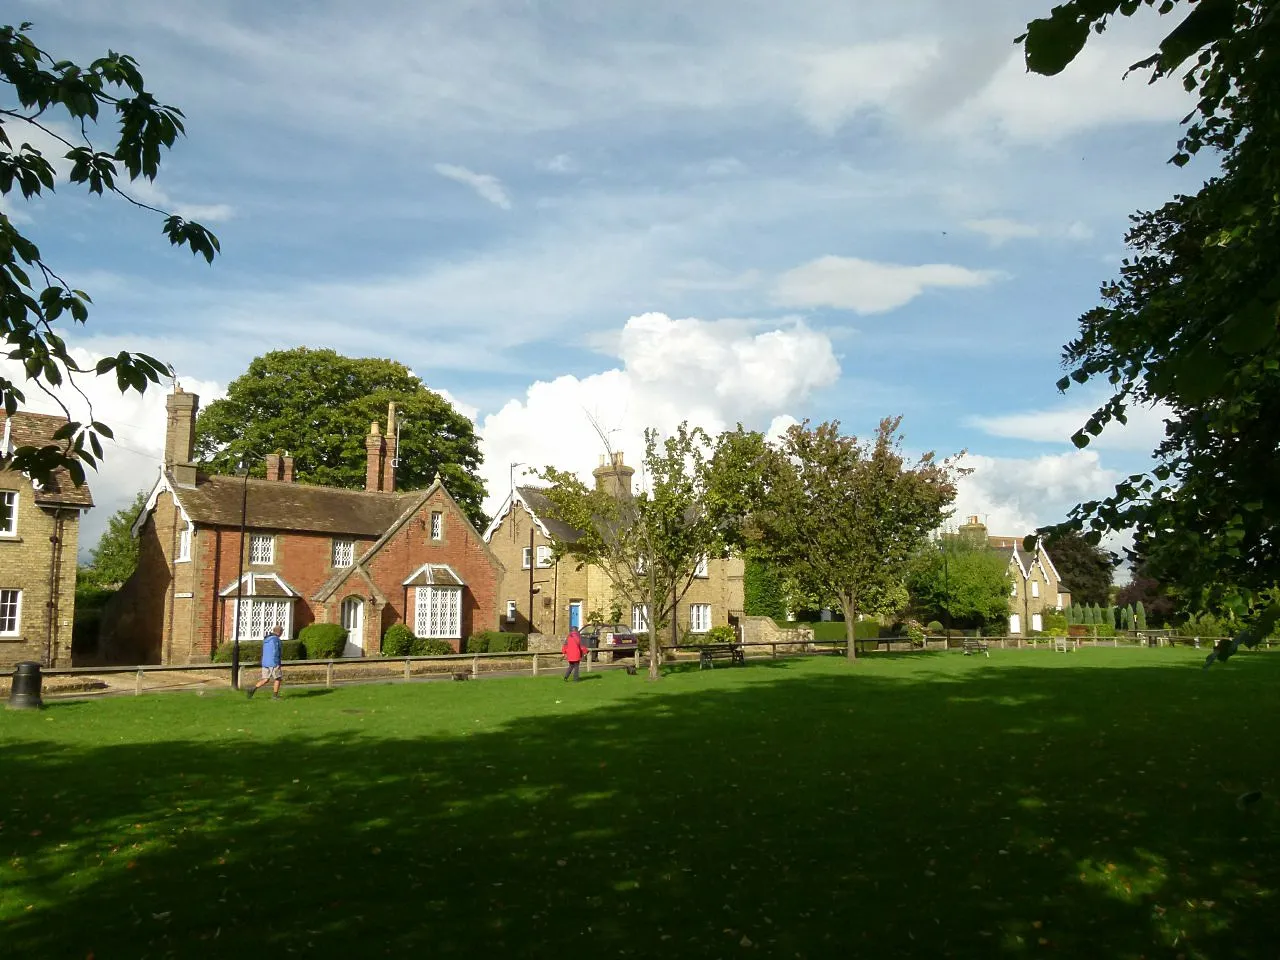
point(242, 468)
point(946, 589)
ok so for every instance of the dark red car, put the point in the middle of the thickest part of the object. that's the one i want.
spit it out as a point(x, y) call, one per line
point(608, 637)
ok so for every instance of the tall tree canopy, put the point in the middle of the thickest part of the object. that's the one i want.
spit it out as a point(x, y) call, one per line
point(114, 558)
point(1085, 567)
point(317, 405)
point(844, 517)
point(1191, 322)
point(960, 583)
point(53, 97)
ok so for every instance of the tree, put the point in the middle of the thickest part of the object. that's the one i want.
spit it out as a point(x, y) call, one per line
point(847, 516)
point(317, 405)
point(114, 558)
point(763, 590)
point(1084, 567)
point(1191, 322)
point(971, 589)
point(650, 544)
point(54, 97)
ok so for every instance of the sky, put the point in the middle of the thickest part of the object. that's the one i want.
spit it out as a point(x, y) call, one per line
point(632, 213)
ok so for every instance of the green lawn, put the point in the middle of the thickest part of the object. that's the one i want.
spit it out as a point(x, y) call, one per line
point(1031, 804)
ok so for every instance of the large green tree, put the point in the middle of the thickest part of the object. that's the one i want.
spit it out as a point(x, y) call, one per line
point(317, 405)
point(114, 558)
point(1191, 322)
point(845, 516)
point(960, 583)
point(66, 103)
point(1085, 567)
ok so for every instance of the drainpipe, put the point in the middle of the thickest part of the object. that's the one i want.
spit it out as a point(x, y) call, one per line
point(51, 609)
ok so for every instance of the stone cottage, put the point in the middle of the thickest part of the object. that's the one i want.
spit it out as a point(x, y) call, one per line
point(1037, 587)
point(365, 558)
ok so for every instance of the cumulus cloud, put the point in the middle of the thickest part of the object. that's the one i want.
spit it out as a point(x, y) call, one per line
point(711, 373)
point(1142, 433)
point(866, 286)
point(1015, 495)
point(486, 185)
point(1000, 230)
point(149, 192)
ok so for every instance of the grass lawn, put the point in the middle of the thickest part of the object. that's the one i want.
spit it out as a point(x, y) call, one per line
point(923, 805)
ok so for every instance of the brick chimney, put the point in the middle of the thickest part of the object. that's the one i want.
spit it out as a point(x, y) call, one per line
point(272, 461)
point(613, 476)
point(180, 436)
point(376, 450)
point(393, 451)
point(286, 468)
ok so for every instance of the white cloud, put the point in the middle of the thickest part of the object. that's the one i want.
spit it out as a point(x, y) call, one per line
point(485, 185)
point(866, 286)
point(1000, 230)
point(466, 409)
point(151, 193)
point(1013, 496)
point(711, 373)
point(560, 163)
point(838, 83)
point(1143, 432)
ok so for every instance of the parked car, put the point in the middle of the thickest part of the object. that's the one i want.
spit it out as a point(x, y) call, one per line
point(608, 637)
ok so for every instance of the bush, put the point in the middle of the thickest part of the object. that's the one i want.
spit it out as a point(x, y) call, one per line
point(430, 647)
point(497, 641)
point(323, 641)
point(997, 628)
point(251, 651)
point(914, 631)
point(397, 641)
point(936, 627)
point(1104, 630)
point(1054, 621)
point(478, 643)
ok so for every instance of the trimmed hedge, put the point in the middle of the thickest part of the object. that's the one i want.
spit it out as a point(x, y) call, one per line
point(397, 641)
point(251, 650)
point(323, 641)
point(497, 641)
point(430, 647)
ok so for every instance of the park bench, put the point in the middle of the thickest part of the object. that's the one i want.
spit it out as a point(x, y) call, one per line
point(1063, 645)
point(974, 645)
point(720, 651)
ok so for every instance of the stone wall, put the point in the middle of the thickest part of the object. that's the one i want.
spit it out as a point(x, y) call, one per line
point(764, 630)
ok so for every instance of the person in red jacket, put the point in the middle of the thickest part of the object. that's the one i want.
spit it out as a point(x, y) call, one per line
point(572, 651)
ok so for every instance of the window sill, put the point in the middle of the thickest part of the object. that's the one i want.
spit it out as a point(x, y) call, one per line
point(10, 538)
point(11, 638)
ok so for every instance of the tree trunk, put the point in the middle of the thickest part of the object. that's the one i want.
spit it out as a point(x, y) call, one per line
point(850, 625)
point(655, 652)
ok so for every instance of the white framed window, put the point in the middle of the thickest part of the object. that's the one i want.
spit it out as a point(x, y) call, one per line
point(699, 617)
point(1013, 592)
point(258, 615)
point(701, 570)
point(1035, 588)
point(511, 611)
point(544, 556)
point(639, 618)
point(526, 558)
point(642, 564)
point(344, 553)
point(8, 513)
point(10, 612)
point(437, 525)
point(1037, 622)
point(438, 613)
point(184, 544)
point(262, 548)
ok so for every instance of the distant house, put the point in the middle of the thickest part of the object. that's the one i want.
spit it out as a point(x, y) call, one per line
point(565, 593)
point(1037, 587)
point(364, 558)
point(39, 539)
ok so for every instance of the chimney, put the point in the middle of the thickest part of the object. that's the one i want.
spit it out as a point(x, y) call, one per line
point(393, 451)
point(286, 468)
point(376, 450)
point(613, 476)
point(974, 531)
point(180, 436)
point(272, 461)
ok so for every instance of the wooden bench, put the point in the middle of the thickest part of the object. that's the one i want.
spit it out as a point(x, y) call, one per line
point(1063, 645)
point(720, 651)
point(974, 645)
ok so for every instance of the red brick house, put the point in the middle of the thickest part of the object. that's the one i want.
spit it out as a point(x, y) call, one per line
point(365, 558)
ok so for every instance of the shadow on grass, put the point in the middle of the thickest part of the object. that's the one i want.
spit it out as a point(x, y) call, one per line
point(807, 811)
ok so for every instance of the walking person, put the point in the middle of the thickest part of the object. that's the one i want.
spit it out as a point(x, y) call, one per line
point(572, 650)
point(271, 670)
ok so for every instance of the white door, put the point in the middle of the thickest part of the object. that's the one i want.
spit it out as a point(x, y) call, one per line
point(1015, 625)
point(353, 623)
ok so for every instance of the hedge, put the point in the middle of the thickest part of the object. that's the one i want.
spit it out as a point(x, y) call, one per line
point(323, 641)
point(251, 650)
point(397, 641)
point(430, 647)
point(497, 641)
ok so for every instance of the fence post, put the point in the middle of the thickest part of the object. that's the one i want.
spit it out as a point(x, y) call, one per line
point(475, 667)
point(588, 660)
point(328, 674)
point(637, 656)
point(406, 668)
point(775, 650)
point(137, 683)
point(535, 663)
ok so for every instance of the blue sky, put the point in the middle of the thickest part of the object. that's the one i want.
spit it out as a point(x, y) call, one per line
point(645, 212)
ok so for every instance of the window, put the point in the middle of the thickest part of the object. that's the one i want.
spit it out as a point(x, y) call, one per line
point(701, 569)
point(8, 513)
point(639, 618)
point(699, 617)
point(511, 611)
point(641, 564)
point(10, 612)
point(262, 548)
point(1037, 622)
point(257, 616)
point(344, 553)
point(1035, 588)
point(184, 543)
point(438, 613)
point(1014, 591)
point(525, 561)
point(437, 525)
point(544, 556)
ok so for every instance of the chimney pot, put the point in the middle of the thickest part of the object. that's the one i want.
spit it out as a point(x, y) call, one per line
point(180, 436)
point(286, 468)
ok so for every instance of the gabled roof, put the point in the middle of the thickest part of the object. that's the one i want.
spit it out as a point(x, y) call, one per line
point(36, 430)
point(434, 575)
point(539, 506)
point(261, 585)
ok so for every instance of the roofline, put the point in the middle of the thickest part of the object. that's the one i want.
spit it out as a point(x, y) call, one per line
point(252, 576)
point(448, 566)
point(162, 483)
point(1040, 549)
point(508, 505)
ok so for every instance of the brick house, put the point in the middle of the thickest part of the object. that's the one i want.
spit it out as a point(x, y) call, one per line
point(566, 593)
point(1037, 586)
point(39, 539)
point(364, 558)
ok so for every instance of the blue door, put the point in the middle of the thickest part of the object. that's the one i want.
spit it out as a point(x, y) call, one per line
point(575, 616)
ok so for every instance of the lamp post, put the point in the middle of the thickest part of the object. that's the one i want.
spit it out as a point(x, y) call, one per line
point(946, 588)
point(242, 470)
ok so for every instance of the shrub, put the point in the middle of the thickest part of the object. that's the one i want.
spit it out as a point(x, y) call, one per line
point(430, 647)
point(1053, 621)
point(496, 641)
point(478, 643)
point(397, 641)
point(1105, 630)
point(721, 634)
point(914, 631)
point(936, 627)
point(996, 628)
point(251, 651)
point(323, 641)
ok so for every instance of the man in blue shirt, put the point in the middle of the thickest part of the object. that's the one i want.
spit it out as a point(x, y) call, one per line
point(271, 672)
